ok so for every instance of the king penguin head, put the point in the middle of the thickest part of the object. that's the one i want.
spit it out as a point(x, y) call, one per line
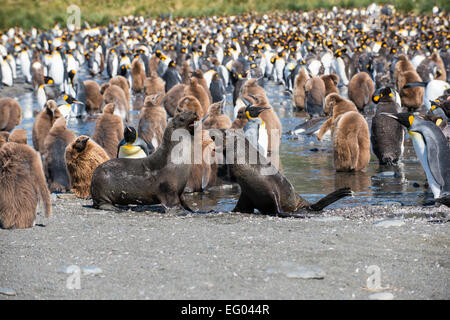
point(130, 134)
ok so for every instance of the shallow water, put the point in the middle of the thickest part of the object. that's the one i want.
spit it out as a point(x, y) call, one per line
point(305, 161)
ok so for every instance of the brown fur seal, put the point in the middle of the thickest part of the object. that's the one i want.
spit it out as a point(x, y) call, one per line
point(18, 136)
point(263, 187)
point(53, 161)
point(43, 123)
point(361, 89)
point(158, 178)
point(114, 94)
point(10, 114)
point(94, 99)
point(351, 142)
point(108, 130)
point(23, 186)
point(153, 120)
point(216, 118)
point(298, 93)
point(82, 157)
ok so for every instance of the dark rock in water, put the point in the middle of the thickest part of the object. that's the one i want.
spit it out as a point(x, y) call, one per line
point(314, 149)
point(416, 185)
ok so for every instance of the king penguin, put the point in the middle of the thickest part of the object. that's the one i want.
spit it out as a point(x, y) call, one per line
point(132, 146)
point(432, 150)
point(255, 129)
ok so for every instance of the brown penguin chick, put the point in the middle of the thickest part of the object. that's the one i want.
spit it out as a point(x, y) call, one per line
point(23, 186)
point(122, 82)
point(10, 114)
point(4, 136)
point(138, 75)
point(190, 103)
point(172, 98)
point(37, 71)
point(153, 63)
point(351, 142)
point(298, 93)
point(54, 164)
point(251, 88)
point(361, 89)
point(82, 157)
point(441, 72)
point(108, 130)
point(186, 73)
point(331, 81)
point(154, 85)
point(403, 65)
point(44, 121)
point(18, 136)
point(314, 96)
point(196, 90)
point(94, 99)
point(411, 98)
point(114, 94)
point(153, 120)
point(216, 118)
point(201, 81)
point(240, 120)
point(203, 174)
point(335, 105)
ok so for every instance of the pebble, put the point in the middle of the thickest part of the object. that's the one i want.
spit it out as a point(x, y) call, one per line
point(328, 219)
point(388, 203)
point(381, 296)
point(92, 270)
point(7, 291)
point(389, 223)
point(291, 270)
point(387, 174)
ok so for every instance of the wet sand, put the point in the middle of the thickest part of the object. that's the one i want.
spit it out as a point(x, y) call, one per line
point(144, 254)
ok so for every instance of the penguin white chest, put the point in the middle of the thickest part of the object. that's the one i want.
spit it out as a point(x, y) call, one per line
point(421, 152)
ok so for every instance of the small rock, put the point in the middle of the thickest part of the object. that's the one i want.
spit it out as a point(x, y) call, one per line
point(328, 219)
point(92, 270)
point(381, 296)
point(291, 270)
point(416, 185)
point(7, 291)
point(388, 203)
point(314, 149)
point(389, 223)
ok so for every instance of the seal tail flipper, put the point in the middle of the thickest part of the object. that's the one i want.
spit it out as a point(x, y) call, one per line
point(330, 198)
point(445, 200)
point(415, 84)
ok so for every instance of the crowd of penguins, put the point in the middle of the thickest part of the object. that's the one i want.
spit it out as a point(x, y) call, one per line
point(345, 69)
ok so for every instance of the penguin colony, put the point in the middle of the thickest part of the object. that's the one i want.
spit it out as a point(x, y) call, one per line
point(344, 69)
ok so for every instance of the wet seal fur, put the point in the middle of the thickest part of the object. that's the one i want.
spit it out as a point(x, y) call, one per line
point(155, 179)
point(271, 194)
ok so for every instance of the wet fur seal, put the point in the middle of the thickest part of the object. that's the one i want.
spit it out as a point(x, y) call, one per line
point(263, 187)
point(155, 179)
point(82, 157)
point(23, 186)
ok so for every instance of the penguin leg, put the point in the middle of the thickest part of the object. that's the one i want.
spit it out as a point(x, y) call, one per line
point(244, 205)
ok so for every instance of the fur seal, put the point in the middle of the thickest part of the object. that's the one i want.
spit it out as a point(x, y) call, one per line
point(82, 157)
point(23, 186)
point(263, 187)
point(158, 178)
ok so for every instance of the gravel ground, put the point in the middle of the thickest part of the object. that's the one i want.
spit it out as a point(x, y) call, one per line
point(144, 254)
